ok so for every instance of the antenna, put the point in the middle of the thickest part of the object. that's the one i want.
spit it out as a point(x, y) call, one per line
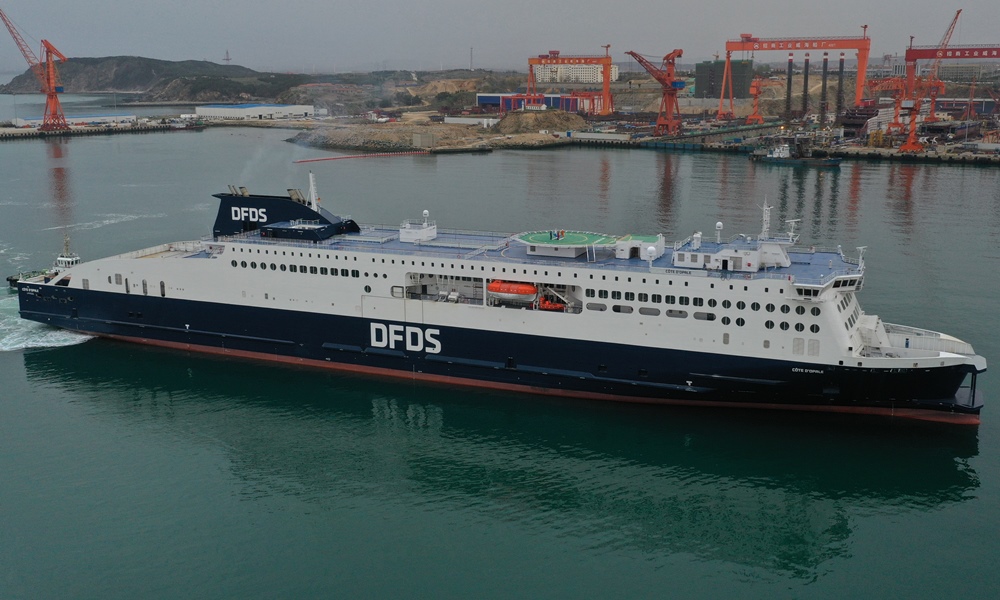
point(650, 253)
point(791, 228)
point(765, 230)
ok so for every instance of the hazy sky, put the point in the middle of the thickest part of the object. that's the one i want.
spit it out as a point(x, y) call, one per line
point(326, 36)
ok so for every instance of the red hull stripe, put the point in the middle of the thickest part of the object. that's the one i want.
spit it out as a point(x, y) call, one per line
point(907, 413)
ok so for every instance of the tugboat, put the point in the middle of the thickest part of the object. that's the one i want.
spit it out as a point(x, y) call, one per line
point(797, 155)
point(65, 260)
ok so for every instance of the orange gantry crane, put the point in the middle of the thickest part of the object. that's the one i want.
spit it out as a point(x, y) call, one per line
point(601, 104)
point(54, 119)
point(749, 43)
point(668, 121)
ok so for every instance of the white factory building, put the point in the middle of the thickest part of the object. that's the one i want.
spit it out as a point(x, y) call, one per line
point(247, 112)
point(573, 73)
point(79, 120)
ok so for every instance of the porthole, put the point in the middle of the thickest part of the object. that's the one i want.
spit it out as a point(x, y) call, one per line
point(800, 310)
point(740, 322)
point(234, 263)
point(784, 326)
point(725, 320)
point(274, 267)
point(769, 308)
point(741, 305)
point(814, 328)
point(800, 327)
point(282, 267)
point(785, 308)
point(712, 302)
point(815, 311)
point(726, 304)
point(368, 289)
point(769, 324)
point(253, 264)
point(243, 264)
point(755, 306)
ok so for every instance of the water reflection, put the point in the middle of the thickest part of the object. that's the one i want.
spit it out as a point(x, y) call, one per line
point(56, 148)
point(667, 196)
point(774, 491)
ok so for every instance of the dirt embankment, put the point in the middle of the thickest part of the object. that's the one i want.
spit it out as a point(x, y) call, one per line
point(515, 130)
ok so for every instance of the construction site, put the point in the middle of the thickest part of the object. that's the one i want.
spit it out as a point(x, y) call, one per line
point(824, 92)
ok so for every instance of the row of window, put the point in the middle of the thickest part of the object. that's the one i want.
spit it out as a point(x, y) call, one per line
point(686, 300)
point(305, 269)
point(701, 316)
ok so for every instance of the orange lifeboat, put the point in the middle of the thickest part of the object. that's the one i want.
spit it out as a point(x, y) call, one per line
point(508, 290)
point(546, 304)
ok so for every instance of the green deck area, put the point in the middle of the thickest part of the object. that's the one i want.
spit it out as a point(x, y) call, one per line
point(570, 238)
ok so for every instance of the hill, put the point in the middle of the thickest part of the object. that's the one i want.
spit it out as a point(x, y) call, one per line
point(163, 80)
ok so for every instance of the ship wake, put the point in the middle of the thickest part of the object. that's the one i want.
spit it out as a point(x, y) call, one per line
point(19, 334)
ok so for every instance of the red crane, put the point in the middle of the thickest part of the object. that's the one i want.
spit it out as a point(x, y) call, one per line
point(668, 121)
point(48, 77)
point(756, 89)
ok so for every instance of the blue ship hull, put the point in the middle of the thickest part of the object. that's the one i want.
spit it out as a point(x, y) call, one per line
point(533, 364)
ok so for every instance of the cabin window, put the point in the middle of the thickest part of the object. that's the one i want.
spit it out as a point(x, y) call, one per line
point(784, 326)
point(355, 273)
point(599, 307)
point(668, 299)
point(704, 316)
point(741, 305)
point(698, 301)
point(630, 296)
point(602, 293)
point(755, 306)
point(293, 268)
point(234, 263)
point(622, 308)
point(643, 297)
point(648, 311)
point(368, 289)
point(740, 322)
point(798, 346)
point(680, 257)
point(815, 311)
point(726, 304)
point(769, 308)
point(769, 324)
point(343, 273)
point(163, 288)
point(767, 344)
point(282, 267)
point(712, 302)
point(616, 295)
point(323, 270)
point(726, 321)
point(253, 264)
point(800, 327)
point(814, 328)
point(274, 267)
point(591, 293)
point(677, 314)
point(800, 310)
point(302, 269)
point(725, 338)
point(813, 348)
point(785, 308)
point(145, 288)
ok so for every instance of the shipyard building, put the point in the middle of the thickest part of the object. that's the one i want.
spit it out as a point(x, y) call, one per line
point(708, 78)
point(248, 112)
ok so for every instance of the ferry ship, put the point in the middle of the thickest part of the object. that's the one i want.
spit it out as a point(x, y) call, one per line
point(745, 321)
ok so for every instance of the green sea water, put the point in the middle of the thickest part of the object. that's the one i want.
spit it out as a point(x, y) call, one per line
point(130, 472)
